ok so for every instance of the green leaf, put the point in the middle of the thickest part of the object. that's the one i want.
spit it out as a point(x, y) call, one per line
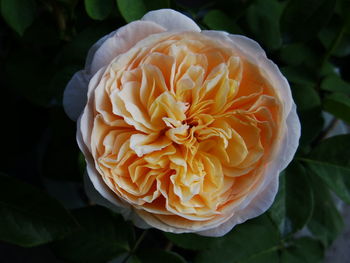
point(293, 205)
point(309, 111)
point(330, 160)
point(303, 250)
point(218, 20)
point(74, 53)
point(18, 14)
point(159, 256)
point(254, 241)
point(102, 237)
point(191, 241)
point(277, 212)
point(338, 104)
point(265, 28)
point(131, 9)
point(296, 53)
point(343, 9)
point(329, 33)
point(29, 217)
point(133, 259)
point(98, 9)
point(326, 222)
point(303, 19)
point(157, 4)
point(300, 75)
point(334, 83)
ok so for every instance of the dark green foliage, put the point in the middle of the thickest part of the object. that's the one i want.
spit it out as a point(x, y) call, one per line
point(102, 236)
point(29, 217)
point(42, 44)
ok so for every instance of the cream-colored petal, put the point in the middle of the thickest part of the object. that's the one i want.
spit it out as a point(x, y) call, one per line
point(109, 201)
point(93, 49)
point(75, 95)
point(256, 207)
point(171, 20)
point(123, 39)
point(290, 142)
point(144, 144)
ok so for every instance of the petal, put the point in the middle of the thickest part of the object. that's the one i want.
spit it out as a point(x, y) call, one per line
point(107, 199)
point(291, 141)
point(75, 95)
point(251, 50)
point(171, 20)
point(94, 48)
point(85, 122)
point(122, 40)
point(255, 208)
point(248, 46)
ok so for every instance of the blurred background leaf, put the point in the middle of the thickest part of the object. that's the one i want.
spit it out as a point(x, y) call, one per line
point(101, 237)
point(294, 203)
point(303, 19)
point(99, 9)
point(19, 14)
point(42, 44)
point(218, 20)
point(29, 217)
point(131, 9)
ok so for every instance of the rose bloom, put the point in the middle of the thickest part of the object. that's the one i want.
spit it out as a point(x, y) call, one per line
point(183, 130)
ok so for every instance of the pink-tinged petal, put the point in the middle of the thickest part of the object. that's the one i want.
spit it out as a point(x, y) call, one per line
point(121, 41)
point(94, 48)
point(75, 95)
point(251, 49)
point(85, 122)
point(255, 208)
point(279, 82)
point(291, 141)
point(100, 194)
point(171, 20)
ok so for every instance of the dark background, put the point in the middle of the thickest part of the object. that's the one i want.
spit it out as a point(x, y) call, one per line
point(43, 42)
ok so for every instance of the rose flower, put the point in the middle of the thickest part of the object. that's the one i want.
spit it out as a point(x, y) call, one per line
point(182, 130)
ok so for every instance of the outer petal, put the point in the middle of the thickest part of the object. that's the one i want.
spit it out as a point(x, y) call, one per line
point(99, 55)
point(109, 202)
point(171, 20)
point(94, 48)
point(256, 207)
point(291, 142)
point(122, 40)
point(75, 94)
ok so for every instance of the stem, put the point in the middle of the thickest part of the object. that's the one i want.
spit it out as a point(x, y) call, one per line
point(136, 246)
point(60, 20)
point(169, 246)
point(139, 240)
point(326, 131)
